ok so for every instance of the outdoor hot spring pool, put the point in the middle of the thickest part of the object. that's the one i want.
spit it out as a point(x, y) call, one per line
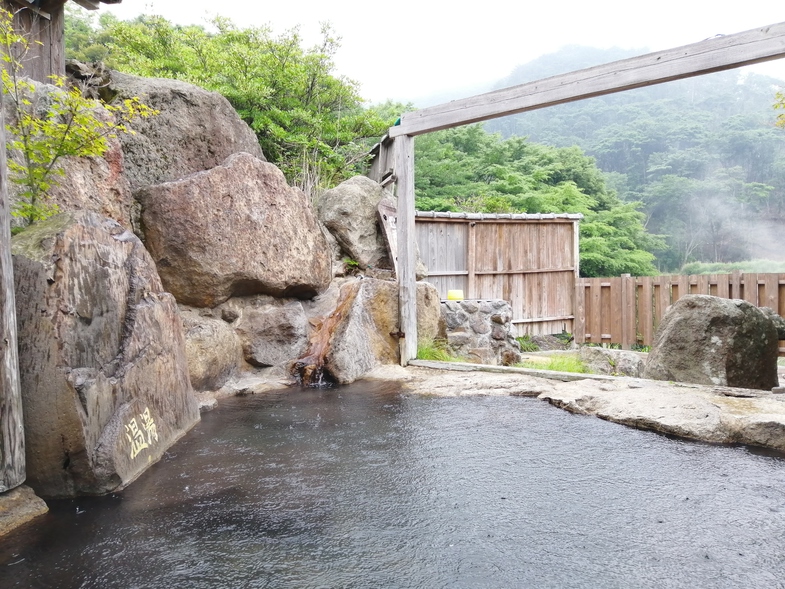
point(365, 487)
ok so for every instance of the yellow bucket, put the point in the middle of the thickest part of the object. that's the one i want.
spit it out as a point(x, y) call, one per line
point(454, 295)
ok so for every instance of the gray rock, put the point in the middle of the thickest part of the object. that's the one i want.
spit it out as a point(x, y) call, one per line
point(779, 322)
point(213, 350)
point(694, 412)
point(349, 211)
point(273, 334)
point(19, 506)
point(616, 362)
point(97, 184)
point(363, 337)
point(476, 325)
point(103, 368)
point(709, 340)
point(195, 130)
point(235, 230)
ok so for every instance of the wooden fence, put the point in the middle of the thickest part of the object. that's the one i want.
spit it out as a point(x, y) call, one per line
point(627, 310)
point(530, 260)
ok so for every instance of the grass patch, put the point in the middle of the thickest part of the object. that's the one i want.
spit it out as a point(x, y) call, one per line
point(438, 350)
point(558, 364)
point(527, 345)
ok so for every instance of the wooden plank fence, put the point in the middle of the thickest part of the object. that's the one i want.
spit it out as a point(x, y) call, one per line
point(627, 310)
point(529, 260)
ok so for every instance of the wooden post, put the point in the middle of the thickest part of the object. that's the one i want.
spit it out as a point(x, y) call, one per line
point(12, 447)
point(471, 262)
point(407, 282)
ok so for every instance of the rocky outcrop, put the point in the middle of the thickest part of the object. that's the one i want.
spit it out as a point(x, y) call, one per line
point(212, 348)
point(349, 211)
point(19, 506)
point(709, 340)
point(235, 230)
point(710, 414)
point(614, 362)
point(361, 333)
point(95, 184)
point(479, 331)
point(779, 322)
point(273, 334)
point(194, 130)
point(102, 356)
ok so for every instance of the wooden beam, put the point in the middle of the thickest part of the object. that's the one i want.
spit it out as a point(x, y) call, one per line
point(88, 4)
point(12, 446)
point(712, 55)
point(34, 8)
point(407, 282)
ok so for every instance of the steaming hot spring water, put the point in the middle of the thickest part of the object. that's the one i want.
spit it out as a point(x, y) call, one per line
point(367, 487)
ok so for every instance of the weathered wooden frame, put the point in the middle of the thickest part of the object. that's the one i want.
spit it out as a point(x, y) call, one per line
point(712, 55)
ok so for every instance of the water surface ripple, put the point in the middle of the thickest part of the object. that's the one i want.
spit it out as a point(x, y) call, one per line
point(363, 487)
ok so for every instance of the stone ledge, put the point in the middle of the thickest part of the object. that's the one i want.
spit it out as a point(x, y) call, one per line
point(19, 506)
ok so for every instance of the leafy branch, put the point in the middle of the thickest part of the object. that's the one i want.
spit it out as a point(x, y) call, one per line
point(44, 126)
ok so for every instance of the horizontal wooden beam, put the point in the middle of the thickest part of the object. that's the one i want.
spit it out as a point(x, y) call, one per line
point(712, 55)
point(34, 8)
point(88, 4)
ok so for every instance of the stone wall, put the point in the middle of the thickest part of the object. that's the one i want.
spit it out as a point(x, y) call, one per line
point(479, 331)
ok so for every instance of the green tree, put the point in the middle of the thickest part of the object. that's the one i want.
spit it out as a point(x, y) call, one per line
point(41, 132)
point(309, 121)
point(468, 169)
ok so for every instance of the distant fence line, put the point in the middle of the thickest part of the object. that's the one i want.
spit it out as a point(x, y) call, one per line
point(627, 310)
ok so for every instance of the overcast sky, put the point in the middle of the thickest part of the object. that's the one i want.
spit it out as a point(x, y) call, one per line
point(407, 50)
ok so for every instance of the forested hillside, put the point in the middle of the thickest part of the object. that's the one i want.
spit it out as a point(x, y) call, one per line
point(682, 172)
point(703, 155)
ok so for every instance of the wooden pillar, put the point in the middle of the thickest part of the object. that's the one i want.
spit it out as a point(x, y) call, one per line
point(12, 448)
point(407, 282)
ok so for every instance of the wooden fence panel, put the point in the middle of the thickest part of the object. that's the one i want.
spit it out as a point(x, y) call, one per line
point(524, 259)
point(627, 310)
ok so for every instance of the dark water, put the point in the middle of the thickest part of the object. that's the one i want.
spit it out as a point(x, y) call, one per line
point(362, 487)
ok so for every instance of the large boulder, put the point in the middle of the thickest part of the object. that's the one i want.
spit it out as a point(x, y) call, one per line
point(361, 332)
point(195, 130)
point(709, 340)
point(103, 369)
point(235, 230)
point(273, 333)
point(349, 211)
point(95, 184)
point(212, 348)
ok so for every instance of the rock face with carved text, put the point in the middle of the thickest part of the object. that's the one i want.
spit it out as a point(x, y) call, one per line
point(238, 229)
point(103, 367)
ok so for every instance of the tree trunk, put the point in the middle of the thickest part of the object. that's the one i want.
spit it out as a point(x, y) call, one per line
point(12, 446)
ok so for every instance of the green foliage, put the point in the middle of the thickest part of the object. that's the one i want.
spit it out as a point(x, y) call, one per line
point(561, 363)
point(40, 133)
point(753, 266)
point(438, 350)
point(527, 345)
point(702, 155)
point(86, 33)
point(468, 169)
point(310, 122)
point(779, 104)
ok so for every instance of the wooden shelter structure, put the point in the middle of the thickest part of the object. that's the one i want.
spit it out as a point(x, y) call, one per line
point(394, 155)
point(42, 22)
